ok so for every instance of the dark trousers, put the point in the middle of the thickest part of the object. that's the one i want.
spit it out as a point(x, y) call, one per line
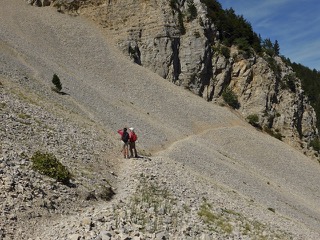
point(132, 146)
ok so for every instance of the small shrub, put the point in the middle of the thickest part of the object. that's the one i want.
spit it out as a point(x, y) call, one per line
point(24, 116)
point(243, 44)
point(57, 83)
point(274, 66)
point(315, 144)
point(230, 98)
point(106, 193)
point(271, 209)
point(181, 25)
point(207, 214)
point(253, 119)
point(192, 10)
point(2, 105)
point(173, 4)
point(145, 153)
point(47, 164)
point(288, 82)
point(272, 133)
point(225, 51)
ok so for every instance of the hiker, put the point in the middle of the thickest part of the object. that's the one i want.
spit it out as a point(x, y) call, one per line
point(125, 139)
point(132, 142)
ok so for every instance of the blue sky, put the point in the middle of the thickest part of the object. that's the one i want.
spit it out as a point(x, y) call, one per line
point(294, 23)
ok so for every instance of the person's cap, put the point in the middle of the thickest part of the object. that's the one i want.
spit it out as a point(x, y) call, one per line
point(131, 129)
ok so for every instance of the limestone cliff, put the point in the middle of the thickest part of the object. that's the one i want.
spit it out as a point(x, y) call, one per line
point(176, 40)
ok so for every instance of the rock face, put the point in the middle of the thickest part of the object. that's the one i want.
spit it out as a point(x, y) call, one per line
point(180, 44)
point(278, 101)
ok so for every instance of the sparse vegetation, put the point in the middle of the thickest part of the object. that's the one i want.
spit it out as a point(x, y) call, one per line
point(253, 119)
point(310, 80)
point(274, 66)
point(288, 82)
point(106, 193)
point(233, 29)
point(47, 164)
point(181, 24)
point(272, 209)
point(24, 116)
point(315, 144)
point(243, 45)
point(273, 133)
point(151, 203)
point(219, 220)
point(57, 83)
point(223, 50)
point(2, 105)
point(174, 4)
point(271, 49)
point(145, 153)
point(192, 10)
point(230, 98)
point(215, 222)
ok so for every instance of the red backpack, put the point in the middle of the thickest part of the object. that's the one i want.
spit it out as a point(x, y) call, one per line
point(133, 137)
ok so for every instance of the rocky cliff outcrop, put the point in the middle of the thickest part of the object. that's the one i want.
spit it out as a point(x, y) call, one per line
point(276, 98)
point(176, 40)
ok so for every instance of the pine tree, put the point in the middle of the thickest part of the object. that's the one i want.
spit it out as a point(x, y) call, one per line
point(276, 48)
point(57, 83)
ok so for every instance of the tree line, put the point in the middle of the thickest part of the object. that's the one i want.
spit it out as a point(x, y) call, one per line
point(236, 30)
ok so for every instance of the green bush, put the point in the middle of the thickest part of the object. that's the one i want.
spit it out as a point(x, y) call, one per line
point(243, 44)
point(225, 51)
point(173, 4)
point(272, 133)
point(253, 119)
point(230, 98)
point(288, 82)
point(57, 83)
point(181, 25)
point(315, 144)
point(192, 10)
point(274, 66)
point(47, 164)
point(106, 193)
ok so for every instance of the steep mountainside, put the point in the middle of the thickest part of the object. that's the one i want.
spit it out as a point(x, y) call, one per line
point(203, 172)
point(177, 40)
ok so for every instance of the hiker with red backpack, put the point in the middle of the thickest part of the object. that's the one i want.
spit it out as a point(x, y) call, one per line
point(132, 142)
